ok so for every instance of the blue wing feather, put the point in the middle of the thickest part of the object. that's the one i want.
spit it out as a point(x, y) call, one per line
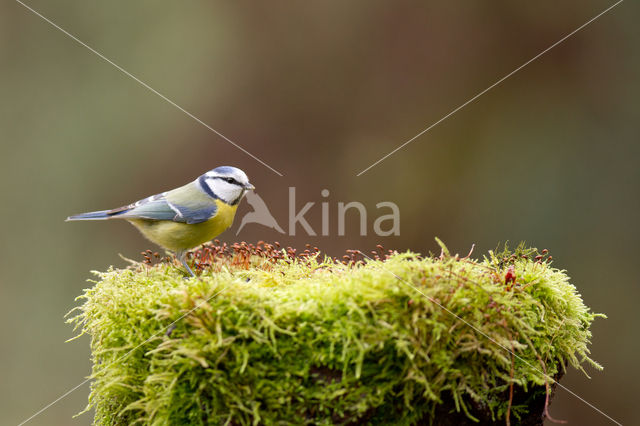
point(196, 215)
point(187, 204)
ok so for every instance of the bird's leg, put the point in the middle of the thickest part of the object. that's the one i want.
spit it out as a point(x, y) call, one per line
point(182, 257)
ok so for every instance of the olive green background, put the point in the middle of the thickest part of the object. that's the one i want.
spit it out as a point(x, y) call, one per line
point(319, 91)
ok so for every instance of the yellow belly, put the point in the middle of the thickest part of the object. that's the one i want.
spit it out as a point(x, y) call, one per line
point(178, 236)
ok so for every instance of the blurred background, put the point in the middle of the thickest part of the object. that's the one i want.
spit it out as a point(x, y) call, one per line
point(319, 91)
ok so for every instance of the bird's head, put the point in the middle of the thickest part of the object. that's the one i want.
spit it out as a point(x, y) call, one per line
point(227, 183)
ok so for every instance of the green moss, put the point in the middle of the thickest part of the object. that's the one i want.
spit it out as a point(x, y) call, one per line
point(281, 339)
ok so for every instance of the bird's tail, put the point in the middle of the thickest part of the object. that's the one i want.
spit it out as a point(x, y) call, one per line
point(99, 215)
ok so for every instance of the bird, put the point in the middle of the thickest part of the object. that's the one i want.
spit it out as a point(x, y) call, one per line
point(183, 218)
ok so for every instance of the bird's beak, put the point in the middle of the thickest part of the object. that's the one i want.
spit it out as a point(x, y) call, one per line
point(249, 187)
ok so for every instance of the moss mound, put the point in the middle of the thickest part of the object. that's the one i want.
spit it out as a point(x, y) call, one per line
point(268, 336)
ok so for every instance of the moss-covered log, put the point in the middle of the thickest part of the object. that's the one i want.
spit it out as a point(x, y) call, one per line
point(266, 336)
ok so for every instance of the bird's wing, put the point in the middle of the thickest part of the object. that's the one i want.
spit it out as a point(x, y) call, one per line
point(187, 204)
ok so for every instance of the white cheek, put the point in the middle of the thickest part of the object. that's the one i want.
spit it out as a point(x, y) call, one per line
point(226, 191)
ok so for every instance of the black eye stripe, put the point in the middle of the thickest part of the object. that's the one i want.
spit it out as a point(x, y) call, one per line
point(228, 180)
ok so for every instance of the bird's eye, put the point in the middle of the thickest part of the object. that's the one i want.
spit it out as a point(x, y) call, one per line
point(230, 180)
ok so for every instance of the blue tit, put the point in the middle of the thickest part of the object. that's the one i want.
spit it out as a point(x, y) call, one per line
point(185, 217)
